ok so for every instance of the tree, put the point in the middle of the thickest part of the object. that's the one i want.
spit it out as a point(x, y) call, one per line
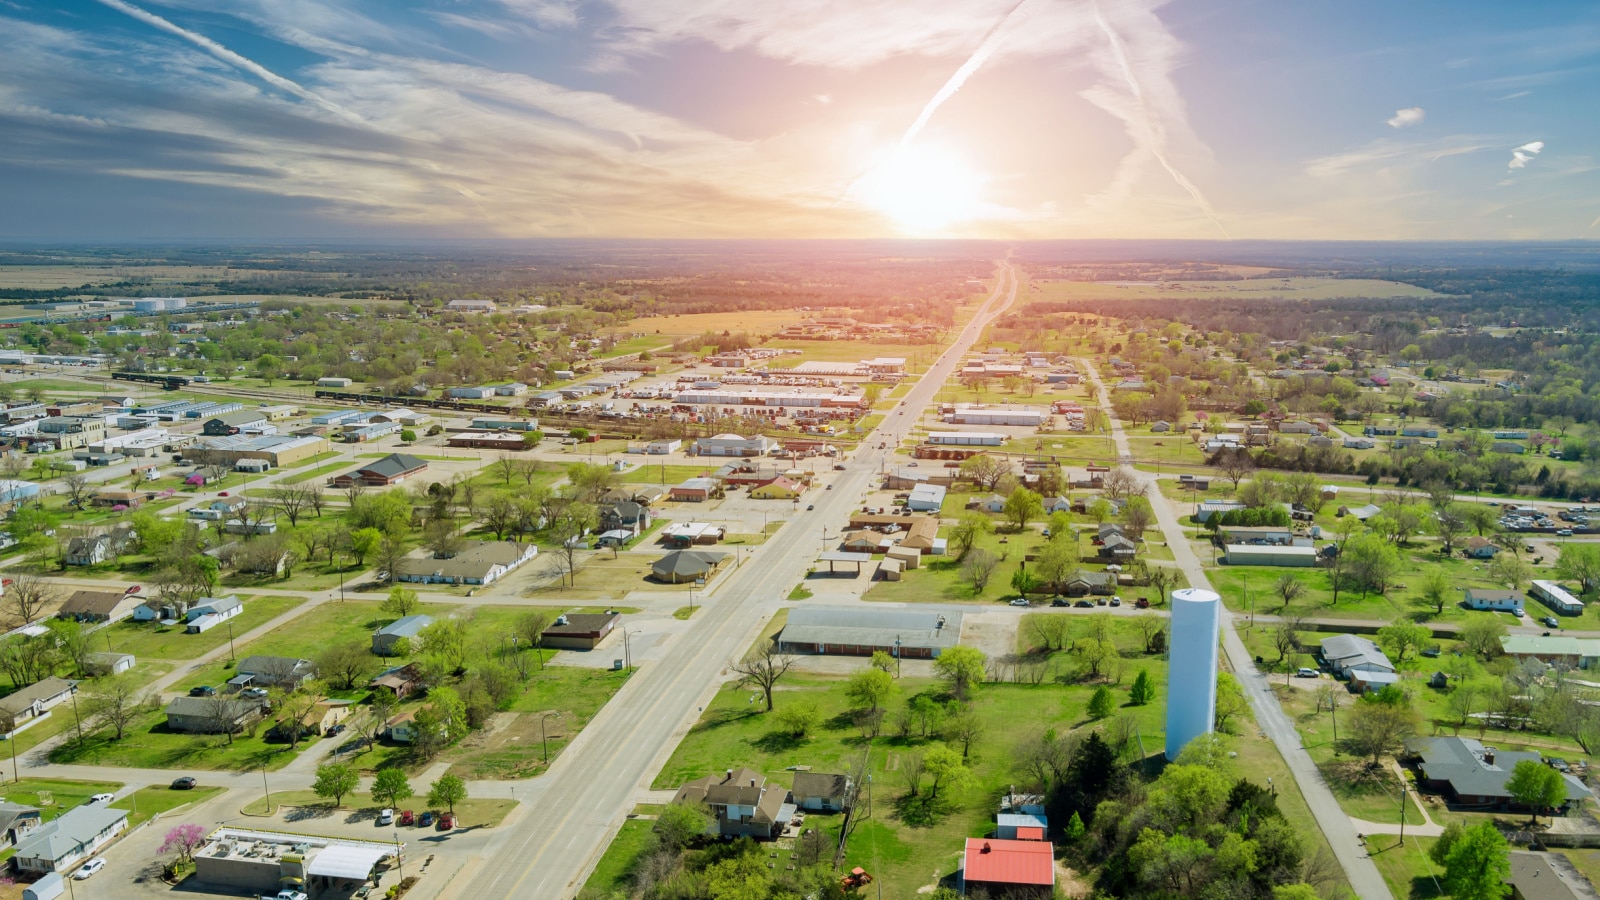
point(1380, 723)
point(965, 728)
point(117, 702)
point(1580, 563)
point(984, 471)
point(1289, 589)
point(183, 840)
point(1402, 638)
point(870, 688)
point(946, 768)
point(345, 664)
point(1370, 562)
point(1101, 704)
point(531, 626)
point(447, 792)
point(402, 602)
point(1450, 524)
point(1075, 829)
point(1137, 517)
point(1482, 636)
point(962, 668)
point(1143, 689)
point(390, 786)
point(977, 568)
point(1476, 861)
point(1100, 511)
point(1236, 463)
point(799, 718)
point(1508, 570)
point(764, 667)
point(1163, 580)
point(1121, 484)
point(28, 595)
point(268, 367)
point(680, 824)
point(1230, 700)
point(1095, 654)
point(336, 780)
point(363, 541)
point(1022, 507)
point(971, 526)
point(1436, 589)
point(1537, 786)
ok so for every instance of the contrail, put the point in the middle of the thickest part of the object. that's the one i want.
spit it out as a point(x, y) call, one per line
point(233, 59)
point(986, 48)
point(1156, 138)
point(1591, 226)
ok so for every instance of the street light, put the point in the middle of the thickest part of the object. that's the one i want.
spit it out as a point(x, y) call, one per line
point(543, 741)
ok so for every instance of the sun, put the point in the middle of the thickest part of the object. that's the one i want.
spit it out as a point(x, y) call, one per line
point(922, 189)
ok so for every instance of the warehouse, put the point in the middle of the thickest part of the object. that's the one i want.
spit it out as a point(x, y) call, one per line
point(735, 445)
point(279, 450)
point(1269, 555)
point(966, 438)
point(926, 498)
point(236, 423)
point(973, 414)
point(849, 631)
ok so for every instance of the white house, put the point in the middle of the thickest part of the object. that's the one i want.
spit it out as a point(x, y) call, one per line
point(735, 445)
point(1494, 599)
point(58, 845)
point(211, 612)
point(662, 448)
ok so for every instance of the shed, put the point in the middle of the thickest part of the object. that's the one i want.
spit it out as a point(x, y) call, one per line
point(1270, 555)
point(1009, 825)
point(386, 639)
point(911, 557)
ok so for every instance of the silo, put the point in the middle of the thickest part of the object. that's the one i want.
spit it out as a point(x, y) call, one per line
point(1192, 667)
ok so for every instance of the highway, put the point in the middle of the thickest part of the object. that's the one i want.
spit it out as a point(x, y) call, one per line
point(576, 807)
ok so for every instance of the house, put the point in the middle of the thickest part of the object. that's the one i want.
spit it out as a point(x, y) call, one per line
point(780, 488)
point(1534, 877)
point(36, 699)
point(208, 612)
point(821, 791)
point(1117, 547)
point(1160, 427)
point(402, 681)
point(272, 671)
point(1362, 513)
point(926, 498)
point(1556, 597)
point(994, 503)
point(580, 631)
point(386, 641)
point(58, 845)
point(682, 566)
point(90, 550)
point(743, 802)
point(1057, 504)
point(851, 631)
point(320, 718)
point(1469, 773)
point(1003, 869)
point(696, 490)
point(1269, 555)
point(392, 469)
point(1495, 599)
point(1349, 654)
point(629, 515)
point(17, 821)
point(1581, 652)
point(1080, 583)
point(97, 606)
point(1359, 443)
point(108, 663)
point(240, 526)
point(1480, 548)
point(211, 715)
point(478, 562)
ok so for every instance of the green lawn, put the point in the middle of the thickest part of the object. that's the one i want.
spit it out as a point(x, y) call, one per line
point(1406, 869)
point(317, 473)
point(517, 751)
point(472, 812)
point(147, 744)
point(64, 794)
point(658, 474)
point(940, 578)
point(147, 802)
point(611, 873)
point(149, 640)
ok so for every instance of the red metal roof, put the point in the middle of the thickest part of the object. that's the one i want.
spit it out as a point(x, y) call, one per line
point(1026, 833)
point(995, 861)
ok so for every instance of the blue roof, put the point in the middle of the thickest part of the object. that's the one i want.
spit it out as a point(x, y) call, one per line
point(1021, 820)
point(407, 626)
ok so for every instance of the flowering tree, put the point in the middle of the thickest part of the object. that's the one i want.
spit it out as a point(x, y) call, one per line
point(183, 840)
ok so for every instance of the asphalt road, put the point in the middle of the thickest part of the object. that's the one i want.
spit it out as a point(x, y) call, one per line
point(1363, 875)
point(578, 805)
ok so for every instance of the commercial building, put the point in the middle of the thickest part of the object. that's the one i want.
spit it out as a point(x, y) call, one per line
point(1192, 667)
point(683, 566)
point(696, 490)
point(72, 432)
point(277, 450)
point(975, 414)
point(580, 631)
point(488, 440)
point(966, 438)
point(735, 445)
point(478, 562)
point(1269, 555)
point(245, 420)
point(848, 631)
point(392, 469)
point(261, 862)
point(13, 491)
point(926, 498)
point(59, 845)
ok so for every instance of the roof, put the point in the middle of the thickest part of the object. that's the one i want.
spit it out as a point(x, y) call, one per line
point(270, 663)
point(1554, 645)
point(407, 626)
point(582, 624)
point(206, 707)
point(1271, 550)
point(698, 484)
point(932, 493)
point(218, 604)
point(687, 562)
point(18, 701)
point(1536, 879)
point(1493, 595)
point(1354, 651)
point(346, 861)
point(820, 784)
point(76, 827)
point(994, 861)
point(393, 465)
point(738, 787)
point(474, 560)
point(99, 603)
point(11, 812)
point(1021, 820)
point(871, 627)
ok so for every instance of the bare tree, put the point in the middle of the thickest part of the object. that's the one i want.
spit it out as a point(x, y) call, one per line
point(978, 567)
point(506, 466)
point(77, 487)
point(1289, 589)
point(1236, 463)
point(1121, 483)
point(253, 516)
point(1286, 636)
point(528, 469)
point(531, 626)
point(29, 594)
point(391, 551)
point(1163, 579)
point(117, 702)
point(316, 497)
point(292, 500)
point(763, 668)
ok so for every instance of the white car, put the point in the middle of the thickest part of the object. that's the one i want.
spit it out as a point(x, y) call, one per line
point(87, 870)
point(102, 798)
point(1021, 601)
point(386, 817)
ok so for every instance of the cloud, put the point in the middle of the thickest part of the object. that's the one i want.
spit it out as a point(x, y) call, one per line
point(1402, 118)
point(1521, 156)
point(1386, 152)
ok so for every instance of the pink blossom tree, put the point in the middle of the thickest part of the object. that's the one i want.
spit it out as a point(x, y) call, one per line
point(183, 840)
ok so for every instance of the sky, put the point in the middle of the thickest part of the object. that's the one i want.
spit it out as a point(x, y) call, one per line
point(416, 119)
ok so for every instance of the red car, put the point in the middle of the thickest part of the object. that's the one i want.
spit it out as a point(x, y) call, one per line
point(447, 822)
point(407, 818)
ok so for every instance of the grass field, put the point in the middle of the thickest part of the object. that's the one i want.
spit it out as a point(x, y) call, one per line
point(518, 749)
point(1311, 288)
point(666, 329)
point(64, 794)
point(42, 278)
point(610, 874)
point(319, 472)
point(149, 640)
point(147, 744)
point(666, 475)
point(472, 812)
point(147, 802)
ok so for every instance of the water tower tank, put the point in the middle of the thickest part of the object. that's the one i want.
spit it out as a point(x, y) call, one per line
point(1192, 667)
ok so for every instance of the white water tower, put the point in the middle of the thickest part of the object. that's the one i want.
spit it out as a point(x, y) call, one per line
point(1192, 667)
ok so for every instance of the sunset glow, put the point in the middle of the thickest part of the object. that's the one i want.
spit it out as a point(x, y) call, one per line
point(923, 191)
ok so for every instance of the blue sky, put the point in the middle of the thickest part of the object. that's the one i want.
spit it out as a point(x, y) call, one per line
point(295, 119)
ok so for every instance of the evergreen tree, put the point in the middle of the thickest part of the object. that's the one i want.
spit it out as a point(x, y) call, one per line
point(1143, 689)
point(1101, 704)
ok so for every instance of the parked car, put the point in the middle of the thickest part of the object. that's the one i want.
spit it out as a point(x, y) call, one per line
point(87, 870)
point(810, 507)
point(204, 690)
point(1142, 603)
point(1084, 604)
point(1560, 765)
point(386, 817)
point(1060, 602)
point(426, 820)
point(1308, 673)
point(407, 817)
point(186, 783)
point(102, 798)
point(1116, 601)
point(1550, 622)
point(1020, 601)
point(254, 693)
point(446, 822)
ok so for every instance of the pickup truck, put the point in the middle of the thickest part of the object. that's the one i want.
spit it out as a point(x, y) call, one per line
point(285, 895)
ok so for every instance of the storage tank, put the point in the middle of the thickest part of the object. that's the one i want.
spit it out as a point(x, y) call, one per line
point(1192, 667)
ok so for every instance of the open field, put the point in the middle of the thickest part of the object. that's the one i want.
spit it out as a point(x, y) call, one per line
point(147, 744)
point(151, 640)
point(517, 747)
point(148, 802)
point(52, 277)
point(64, 794)
point(754, 321)
point(1311, 288)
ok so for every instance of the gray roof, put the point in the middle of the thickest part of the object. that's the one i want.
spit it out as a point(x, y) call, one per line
point(820, 784)
point(1349, 651)
point(407, 626)
point(871, 627)
point(474, 560)
point(687, 562)
point(1535, 878)
point(217, 604)
point(1493, 595)
point(75, 828)
point(17, 701)
point(1461, 761)
point(273, 665)
point(393, 464)
point(206, 707)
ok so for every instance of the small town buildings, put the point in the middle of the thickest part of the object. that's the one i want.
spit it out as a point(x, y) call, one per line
point(402, 681)
point(272, 671)
point(687, 534)
point(663, 447)
point(243, 861)
point(279, 450)
point(36, 699)
point(471, 305)
point(235, 423)
point(211, 715)
point(478, 562)
point(209, 612)
point(821, 791)
point(1002, 869)
point(1209, 508)
point(79, 832)
point(1269, 555)
point(17, 821)
point(108, 663)
point(580, 631)
point(1495, 599)
point(743, 802)
point(630, 516)
point(849, 631)
point(97, 606)
point(1468, 773)
point(780, 488)
point(735, 445)
point(1477, 547)
point(1583, 653)
point(333, 382)
point(392, 469)
point(1350, 655)
point(966, 438)
point(1533, 877)
point(926, 498)
point(682, 566)
point(696, 490)
point(480, 392)
point(388, 640)
point(1553, 595)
